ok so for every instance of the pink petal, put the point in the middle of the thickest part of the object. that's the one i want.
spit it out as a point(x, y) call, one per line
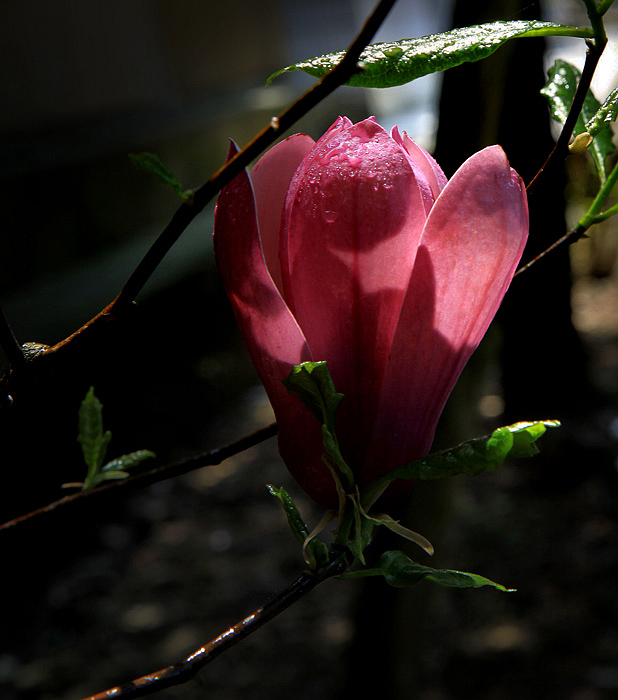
point(352, 222)
point(270, 178)
point(273, 338)
point(470, 248)
point(433, 172)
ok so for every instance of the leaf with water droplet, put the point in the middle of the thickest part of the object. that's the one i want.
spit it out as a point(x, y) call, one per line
point(594, 118)
point(399, 62)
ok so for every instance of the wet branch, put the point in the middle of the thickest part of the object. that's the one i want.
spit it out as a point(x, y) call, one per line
point(181, 672)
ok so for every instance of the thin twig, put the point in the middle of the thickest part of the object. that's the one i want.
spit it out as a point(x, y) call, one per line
point(186, 669)
point(576, 231)
point(339, 75)
point(9, 343)
point(560, 150)
point(152, 476)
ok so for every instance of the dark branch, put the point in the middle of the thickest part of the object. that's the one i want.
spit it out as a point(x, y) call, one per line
point(573, 235)
point(340, 74)
point(152, 476)
point(185, 670)
point(561, 149)
point(183, 217)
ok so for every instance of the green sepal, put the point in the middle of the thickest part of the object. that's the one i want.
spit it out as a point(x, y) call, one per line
point(472, 457)
point(316, 551)
point(559, 92)
point(312, 383)
point(297, 524)
point(401, 572)
point(399, 62)
point(361, 535)
point(151, 164)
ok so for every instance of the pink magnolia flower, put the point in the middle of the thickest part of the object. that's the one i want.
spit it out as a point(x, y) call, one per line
point(356, 250)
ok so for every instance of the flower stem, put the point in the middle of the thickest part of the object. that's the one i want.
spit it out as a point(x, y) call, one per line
point(594, 214)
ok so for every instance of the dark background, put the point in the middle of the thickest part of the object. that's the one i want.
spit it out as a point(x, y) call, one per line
point(98, 594)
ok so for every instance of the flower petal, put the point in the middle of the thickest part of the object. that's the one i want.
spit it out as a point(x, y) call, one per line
point(472, 242)
point(273, 338)
point(433, 172)
point(353, 218)
point(270, 178)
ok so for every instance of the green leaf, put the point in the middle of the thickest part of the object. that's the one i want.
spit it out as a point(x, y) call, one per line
point(127, 461)
point(606, 114)
point(312, 383)
point(151, 164)
point(295, 520)
point(559, 92)
point(91, 437)
point(401, 572)
point(472, 457)
point(398, 62)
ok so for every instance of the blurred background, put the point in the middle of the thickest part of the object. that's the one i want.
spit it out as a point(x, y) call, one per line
point(97, 595)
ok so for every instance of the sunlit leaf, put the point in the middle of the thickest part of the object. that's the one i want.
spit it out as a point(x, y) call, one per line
point(606, 114)
point(559, 92)
point(472, 457)
point(397, 62)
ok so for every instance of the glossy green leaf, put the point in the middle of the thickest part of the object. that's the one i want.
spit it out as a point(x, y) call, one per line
point(606, 114)
point(398, 62)
point(312, 383)
point(151, 164)
point(295, 520)
point(401, 572)
point(91, 437)
point(472, 457)
point(559, 92)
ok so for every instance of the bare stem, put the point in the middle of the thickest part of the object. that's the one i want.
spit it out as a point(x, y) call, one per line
point(9, 344)
point(573, 235)
point(187, 212)
point(186, 669)
point(152, 476)
point(340, 74)
point(561, 149)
